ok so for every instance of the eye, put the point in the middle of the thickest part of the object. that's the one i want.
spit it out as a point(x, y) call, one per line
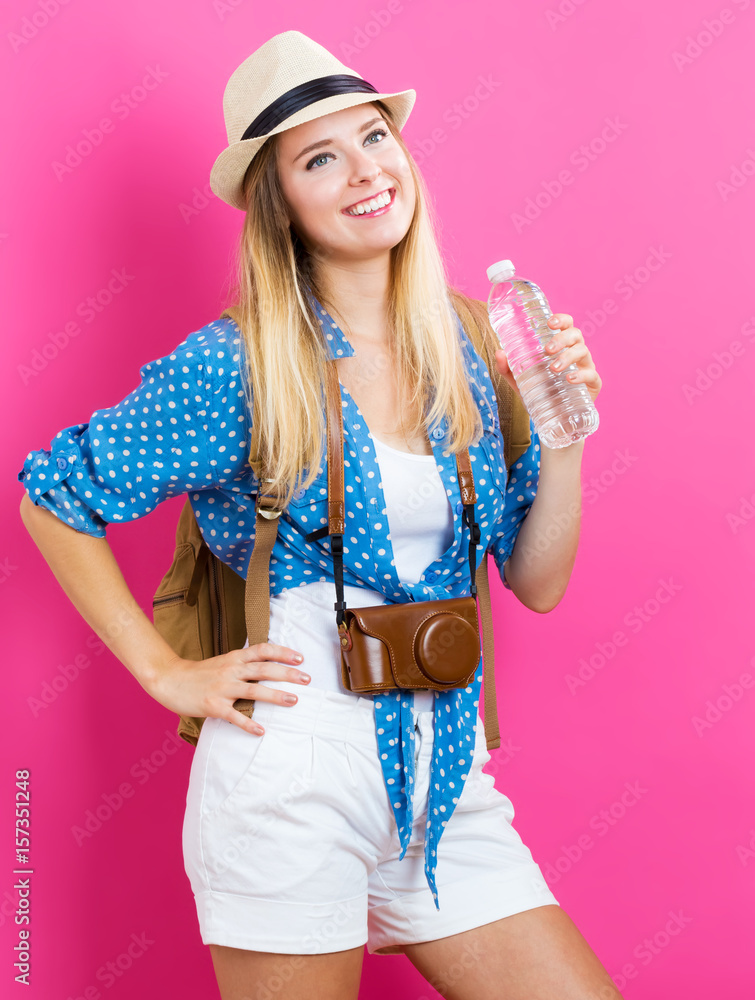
point(377, 131)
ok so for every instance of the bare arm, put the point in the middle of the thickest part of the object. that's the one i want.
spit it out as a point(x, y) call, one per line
point(86, 569)
point(541, 563)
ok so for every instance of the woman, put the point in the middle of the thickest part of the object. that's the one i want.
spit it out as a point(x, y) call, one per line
point(328, 832)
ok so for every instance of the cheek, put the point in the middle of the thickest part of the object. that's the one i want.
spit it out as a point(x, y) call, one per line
point(403, 173)
point(311, 210)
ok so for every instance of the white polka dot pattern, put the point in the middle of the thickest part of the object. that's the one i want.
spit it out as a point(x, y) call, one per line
point(185, 429)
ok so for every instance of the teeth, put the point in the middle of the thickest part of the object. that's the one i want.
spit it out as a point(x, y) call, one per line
point(370, 206)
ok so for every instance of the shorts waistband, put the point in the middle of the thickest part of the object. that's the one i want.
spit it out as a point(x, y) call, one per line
point(347, 717)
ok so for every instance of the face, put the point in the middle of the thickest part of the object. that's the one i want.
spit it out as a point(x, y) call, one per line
point(354, 158)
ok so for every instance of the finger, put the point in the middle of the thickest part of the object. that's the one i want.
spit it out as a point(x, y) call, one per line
point(560, 320)
point(507, 373)
point(270, 670)
point(569, 356)
point(503, 365)
point(243, 722)
point(272, 651)
point(564, 338)
point(263, 692)
point(587, 375)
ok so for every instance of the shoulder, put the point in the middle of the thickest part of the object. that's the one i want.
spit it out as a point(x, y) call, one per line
point(471, 314)
point(473, 324)
point(218, 340)
point(213, 350)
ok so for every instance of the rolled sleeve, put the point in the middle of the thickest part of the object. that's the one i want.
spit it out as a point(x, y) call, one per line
point(521, 487)
point(129, 458)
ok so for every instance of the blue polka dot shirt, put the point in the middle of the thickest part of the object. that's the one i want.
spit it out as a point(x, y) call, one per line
point(185, 429)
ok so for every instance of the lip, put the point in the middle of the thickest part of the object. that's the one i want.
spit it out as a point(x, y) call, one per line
point(379, 211)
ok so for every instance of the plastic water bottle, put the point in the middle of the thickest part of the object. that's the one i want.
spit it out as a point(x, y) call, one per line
point(562, 411)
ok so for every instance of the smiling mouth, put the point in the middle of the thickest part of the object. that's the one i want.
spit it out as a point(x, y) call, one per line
point(372, 206)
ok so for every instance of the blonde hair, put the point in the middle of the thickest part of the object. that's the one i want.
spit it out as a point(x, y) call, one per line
point(282, 338)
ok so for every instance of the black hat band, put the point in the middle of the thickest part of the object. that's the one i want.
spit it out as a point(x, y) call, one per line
point(300, 97)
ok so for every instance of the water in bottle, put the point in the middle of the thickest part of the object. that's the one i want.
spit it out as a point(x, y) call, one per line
point(562, 411)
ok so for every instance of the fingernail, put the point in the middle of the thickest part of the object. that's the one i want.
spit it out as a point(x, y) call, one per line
point(298, 657)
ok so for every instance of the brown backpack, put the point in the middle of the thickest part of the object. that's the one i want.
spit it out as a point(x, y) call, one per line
point(200, 606)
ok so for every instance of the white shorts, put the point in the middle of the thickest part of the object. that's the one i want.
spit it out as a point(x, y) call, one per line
point(290, 842)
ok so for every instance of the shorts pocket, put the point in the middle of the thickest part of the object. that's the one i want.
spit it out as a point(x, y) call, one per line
point(233, 759)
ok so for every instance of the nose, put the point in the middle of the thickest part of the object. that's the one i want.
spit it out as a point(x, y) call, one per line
point(364, 167)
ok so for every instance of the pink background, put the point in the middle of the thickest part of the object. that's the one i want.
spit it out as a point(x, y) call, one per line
point(675, 509)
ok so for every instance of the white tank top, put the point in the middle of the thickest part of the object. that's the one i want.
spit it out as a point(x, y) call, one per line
point(421, 529)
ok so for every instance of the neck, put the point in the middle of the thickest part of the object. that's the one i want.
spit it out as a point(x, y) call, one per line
point(357, 296)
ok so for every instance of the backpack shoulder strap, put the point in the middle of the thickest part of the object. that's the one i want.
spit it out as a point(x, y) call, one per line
point(257, 587)
point(512, 413)
point(515, 428)
point(234, 313)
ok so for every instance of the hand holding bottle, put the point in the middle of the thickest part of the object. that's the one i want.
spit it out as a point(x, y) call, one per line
point(570, 338)
point(544, 357)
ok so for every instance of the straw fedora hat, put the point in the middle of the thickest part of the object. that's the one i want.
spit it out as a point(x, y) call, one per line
point(289, 80)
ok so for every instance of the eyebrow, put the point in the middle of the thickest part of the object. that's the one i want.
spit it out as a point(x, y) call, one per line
point(327, 142)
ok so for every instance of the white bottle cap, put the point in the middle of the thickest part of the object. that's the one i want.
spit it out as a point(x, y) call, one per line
point(501, 270)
